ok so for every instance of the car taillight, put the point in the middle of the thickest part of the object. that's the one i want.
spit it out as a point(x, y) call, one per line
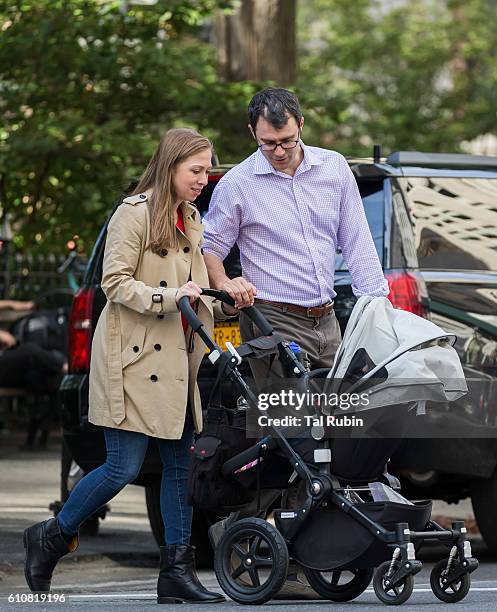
point(406, 292)
point(80, 331)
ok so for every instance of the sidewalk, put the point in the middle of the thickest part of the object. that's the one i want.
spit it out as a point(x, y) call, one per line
point(30, 481)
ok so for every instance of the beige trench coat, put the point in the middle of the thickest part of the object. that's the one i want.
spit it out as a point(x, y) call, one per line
point(141, 373)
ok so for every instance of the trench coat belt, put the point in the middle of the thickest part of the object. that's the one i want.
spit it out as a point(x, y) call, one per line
point(114, 365)
point(311, 311)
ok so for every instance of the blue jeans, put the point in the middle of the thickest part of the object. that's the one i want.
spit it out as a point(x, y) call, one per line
point(125, 453)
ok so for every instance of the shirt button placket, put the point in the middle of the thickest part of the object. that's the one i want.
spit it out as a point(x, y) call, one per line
point(303, 209)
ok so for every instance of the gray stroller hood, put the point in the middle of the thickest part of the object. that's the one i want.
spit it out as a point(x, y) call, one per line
point(395, 357)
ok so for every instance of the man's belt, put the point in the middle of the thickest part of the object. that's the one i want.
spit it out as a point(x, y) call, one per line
point(311, 312)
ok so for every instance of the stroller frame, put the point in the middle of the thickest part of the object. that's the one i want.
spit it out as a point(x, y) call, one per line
point(393, 580)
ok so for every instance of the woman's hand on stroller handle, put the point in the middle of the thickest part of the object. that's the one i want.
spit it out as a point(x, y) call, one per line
point(189, 289)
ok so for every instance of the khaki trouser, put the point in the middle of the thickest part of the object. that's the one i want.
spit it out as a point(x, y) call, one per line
point(317, 337)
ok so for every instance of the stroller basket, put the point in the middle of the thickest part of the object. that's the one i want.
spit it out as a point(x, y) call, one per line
point(331, 538)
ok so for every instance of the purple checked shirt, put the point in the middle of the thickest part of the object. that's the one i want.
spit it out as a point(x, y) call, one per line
point(288, 228)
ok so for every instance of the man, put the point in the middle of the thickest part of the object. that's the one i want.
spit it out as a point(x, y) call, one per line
point(27, 365)
point(289, 207)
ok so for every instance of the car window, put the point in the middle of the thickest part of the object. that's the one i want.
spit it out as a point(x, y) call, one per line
point(372, 194)
point(455, 221)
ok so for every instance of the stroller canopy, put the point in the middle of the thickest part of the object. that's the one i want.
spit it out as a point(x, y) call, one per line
point(396, 357)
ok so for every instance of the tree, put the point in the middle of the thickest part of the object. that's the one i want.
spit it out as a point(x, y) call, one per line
point(85, 89)
point(257, 41)
point(412, 75)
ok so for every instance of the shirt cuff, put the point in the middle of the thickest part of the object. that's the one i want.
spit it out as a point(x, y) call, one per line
point(219, 252)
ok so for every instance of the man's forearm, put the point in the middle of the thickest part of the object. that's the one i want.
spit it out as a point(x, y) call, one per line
point(215, 270)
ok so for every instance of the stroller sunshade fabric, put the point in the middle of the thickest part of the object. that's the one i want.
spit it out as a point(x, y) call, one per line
point(396, 357)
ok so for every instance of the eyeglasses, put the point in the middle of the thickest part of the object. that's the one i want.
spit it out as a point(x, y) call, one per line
point(285, 145)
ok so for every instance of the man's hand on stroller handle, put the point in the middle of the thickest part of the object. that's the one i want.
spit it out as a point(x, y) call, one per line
point(251, 311)
point(240, 290)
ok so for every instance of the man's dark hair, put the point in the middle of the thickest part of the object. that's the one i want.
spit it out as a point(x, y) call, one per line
point(274, 105)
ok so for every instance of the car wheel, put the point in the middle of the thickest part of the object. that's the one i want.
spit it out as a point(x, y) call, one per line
point(90, 527)
point(65, 468)
point(204, 555)
point(484, 498)
point(152, 498)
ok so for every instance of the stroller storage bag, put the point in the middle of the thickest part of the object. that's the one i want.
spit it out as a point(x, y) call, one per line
point(208, 489)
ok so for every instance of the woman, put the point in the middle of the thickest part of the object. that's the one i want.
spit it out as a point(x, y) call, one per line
point(145, 362)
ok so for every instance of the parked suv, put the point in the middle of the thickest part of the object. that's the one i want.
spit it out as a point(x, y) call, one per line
point(433, 218)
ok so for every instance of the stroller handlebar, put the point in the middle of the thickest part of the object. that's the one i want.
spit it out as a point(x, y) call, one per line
point(251, 311)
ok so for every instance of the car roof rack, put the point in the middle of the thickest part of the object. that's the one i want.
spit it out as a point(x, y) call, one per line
point(441, 160)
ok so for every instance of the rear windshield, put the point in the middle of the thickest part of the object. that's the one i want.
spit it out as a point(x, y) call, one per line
point(455, 221)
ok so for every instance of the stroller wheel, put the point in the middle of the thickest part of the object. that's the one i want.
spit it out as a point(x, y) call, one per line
point(339, 585)
point(251, 561)
point(392, 594)
point(445, 589)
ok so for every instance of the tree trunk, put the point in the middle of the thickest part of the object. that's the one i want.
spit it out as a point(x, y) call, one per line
point(257, 43)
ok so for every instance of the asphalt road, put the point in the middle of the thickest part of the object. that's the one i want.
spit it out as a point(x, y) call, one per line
point(118, 569)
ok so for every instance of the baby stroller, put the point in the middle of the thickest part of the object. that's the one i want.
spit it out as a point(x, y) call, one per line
point(335, 528)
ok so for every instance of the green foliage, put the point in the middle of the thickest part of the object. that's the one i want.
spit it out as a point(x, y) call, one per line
point(87, 86)
point(417, 74)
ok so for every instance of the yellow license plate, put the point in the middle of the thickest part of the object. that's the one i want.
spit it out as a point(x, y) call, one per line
point(227, 332)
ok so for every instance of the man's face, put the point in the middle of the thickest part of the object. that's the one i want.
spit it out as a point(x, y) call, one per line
point(265, 133)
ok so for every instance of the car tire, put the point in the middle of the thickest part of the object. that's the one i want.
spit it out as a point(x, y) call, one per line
point(90, 527)
point(484, 499)
point(204, 555)
point(65, 467)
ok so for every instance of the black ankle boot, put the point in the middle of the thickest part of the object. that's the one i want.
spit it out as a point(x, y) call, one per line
point(45, 545)
point(178, 582)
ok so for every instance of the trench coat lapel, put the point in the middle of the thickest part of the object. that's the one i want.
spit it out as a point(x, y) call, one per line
point(193, 227)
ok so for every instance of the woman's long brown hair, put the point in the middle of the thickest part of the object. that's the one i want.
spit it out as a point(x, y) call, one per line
point(175, 146)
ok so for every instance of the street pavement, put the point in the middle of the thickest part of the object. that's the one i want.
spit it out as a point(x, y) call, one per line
point(118, 568)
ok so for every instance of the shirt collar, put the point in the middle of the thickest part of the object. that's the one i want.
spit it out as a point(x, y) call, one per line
point(262, 165)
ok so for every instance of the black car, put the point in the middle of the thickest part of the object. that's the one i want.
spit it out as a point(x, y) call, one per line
point(433, 218)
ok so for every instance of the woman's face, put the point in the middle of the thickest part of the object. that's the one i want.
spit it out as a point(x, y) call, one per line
point(190, 175)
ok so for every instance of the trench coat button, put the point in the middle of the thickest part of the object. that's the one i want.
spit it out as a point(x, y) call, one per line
point(157, 347)
point(163, 253)
point(202, 250)
point(154, 378)
point(136, 349)
point(186, 249)
point(160, 316)
point(163, 284)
